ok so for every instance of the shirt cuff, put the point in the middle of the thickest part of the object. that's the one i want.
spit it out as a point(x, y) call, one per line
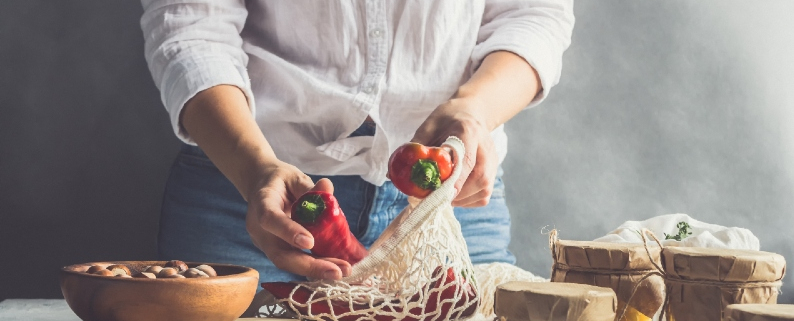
point(187, 76)
point(543, 55)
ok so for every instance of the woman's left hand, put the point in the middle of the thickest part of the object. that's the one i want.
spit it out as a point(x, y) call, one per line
point(458, 117)
point(501, 87)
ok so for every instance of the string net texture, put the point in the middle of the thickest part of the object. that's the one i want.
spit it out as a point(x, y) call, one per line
point(419, 269)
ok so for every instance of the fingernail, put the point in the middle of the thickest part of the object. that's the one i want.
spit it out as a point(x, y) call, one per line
point(346, 270)
point(304, 241)
point(330, 275)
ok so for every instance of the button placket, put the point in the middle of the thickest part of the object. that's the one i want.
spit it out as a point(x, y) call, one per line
point(376, 47)
point(377, 55)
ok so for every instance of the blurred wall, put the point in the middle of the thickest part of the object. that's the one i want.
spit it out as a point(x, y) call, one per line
point(85, 144)
point(664, 107)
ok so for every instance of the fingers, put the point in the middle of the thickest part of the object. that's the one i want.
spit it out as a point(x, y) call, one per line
point(285, 257)
point(274, 232)
point(478, 165)
point(280, 238)
point(324, 185)
point(344, 266)
point(476, 190)
point(289, 259)
point(275, 218)
point(481, 198)
point(272, 219)
point(476, 187)
point(299, 185)
point(468, 163)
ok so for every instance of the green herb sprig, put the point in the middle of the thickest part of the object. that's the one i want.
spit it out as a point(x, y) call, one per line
point(683, 232)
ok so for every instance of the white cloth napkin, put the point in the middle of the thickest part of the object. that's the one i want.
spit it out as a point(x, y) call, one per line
point(703, 234)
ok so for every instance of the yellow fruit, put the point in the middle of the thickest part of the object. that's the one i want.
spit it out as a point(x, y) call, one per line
point(633, 315)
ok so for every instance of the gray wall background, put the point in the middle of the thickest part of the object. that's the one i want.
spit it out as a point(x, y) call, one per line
point(664, 107)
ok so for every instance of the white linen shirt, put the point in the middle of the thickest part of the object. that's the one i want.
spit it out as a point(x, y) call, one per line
point(312, 71)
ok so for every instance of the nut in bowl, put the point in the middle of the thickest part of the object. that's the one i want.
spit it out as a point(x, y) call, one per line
point(96, 293)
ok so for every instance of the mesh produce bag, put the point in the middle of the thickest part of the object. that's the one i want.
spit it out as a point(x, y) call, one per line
point(419, 269)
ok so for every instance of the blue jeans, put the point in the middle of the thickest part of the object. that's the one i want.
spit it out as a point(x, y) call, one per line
point(203, 217)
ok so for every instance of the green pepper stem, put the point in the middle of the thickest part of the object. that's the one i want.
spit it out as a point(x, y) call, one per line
point(310, 208)
point(425, 174)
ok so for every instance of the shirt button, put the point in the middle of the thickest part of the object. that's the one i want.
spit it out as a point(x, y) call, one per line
point(376, 33)
point(368, 89)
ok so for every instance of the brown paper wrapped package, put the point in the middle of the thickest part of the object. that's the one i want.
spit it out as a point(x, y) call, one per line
point(759, 312)
point(619, 266)
point(702, 282)
point(544, 301)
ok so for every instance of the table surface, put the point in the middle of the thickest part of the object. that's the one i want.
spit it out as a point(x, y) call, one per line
point(47, 310)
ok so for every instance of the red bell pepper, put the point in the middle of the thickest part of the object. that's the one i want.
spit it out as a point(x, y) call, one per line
point(282, 290)
point(417, 170)
point(441, 301)
point(447, 295)
point(320, 214)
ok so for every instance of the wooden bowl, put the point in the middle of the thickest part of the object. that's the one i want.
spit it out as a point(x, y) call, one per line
point(107, 298)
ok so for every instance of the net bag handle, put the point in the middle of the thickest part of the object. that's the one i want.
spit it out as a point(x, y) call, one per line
point(423, 211)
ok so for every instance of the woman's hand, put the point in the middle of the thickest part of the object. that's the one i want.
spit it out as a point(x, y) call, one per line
point(273, 231)
point(501, 87)
point(457, 117)
point(219, 120)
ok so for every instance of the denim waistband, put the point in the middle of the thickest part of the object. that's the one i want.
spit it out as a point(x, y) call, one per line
point(192, 150)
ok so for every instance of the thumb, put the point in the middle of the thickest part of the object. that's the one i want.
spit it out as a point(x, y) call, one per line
point(299, 186)
point(323, 185)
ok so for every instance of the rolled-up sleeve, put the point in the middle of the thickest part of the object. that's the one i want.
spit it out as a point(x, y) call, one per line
point(192, 45)
point(537, 30)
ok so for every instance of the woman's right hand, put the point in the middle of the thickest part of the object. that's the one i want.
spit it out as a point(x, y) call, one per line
point(219, 120)
point(273, 231)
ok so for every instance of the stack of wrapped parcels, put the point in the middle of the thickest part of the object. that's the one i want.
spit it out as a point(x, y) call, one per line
point(626, 268)
point(702, 282)
point(717, 274)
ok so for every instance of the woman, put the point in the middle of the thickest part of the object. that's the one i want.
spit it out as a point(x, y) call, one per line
point(281, 94)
